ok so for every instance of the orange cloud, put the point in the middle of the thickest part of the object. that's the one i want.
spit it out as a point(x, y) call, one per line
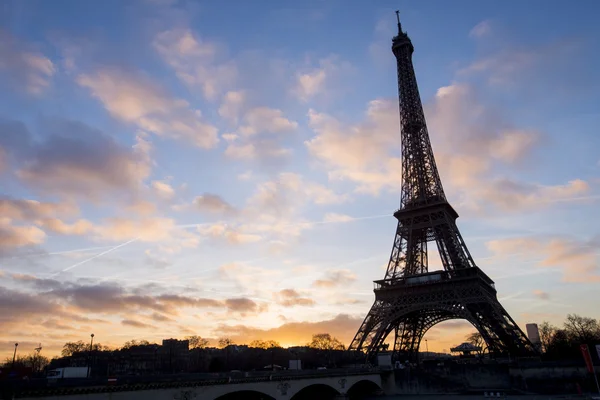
point(290, 298)
point(335, 278)
point(294, 333)
point(577, 259)
point(136, 99)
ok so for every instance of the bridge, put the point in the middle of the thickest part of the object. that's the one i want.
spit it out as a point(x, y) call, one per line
point(330, 384)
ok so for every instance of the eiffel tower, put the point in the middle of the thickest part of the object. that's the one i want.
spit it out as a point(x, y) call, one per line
point(410, 299)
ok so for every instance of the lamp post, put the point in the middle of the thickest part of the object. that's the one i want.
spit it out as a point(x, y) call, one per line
point(427, 347)
point(90, 357)
point(15, 355)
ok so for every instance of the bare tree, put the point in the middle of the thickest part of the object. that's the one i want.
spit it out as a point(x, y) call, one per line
point(37, 362)
point(225, 342)
point(132, 343)
point(582, 329)
point(324, 341)
point(197, 342)
point(71, 348)
point(265, 344)
point(477, 340)
point(547, 332)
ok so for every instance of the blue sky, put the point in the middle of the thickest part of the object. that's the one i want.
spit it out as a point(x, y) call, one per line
point(170, 168)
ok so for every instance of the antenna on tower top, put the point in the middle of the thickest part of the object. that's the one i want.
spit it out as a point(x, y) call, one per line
point(398, 18)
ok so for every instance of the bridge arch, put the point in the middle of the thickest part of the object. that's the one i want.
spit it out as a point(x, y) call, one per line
point(410, 339)
point(362, 388)
point(245, 395)
point(316, 391)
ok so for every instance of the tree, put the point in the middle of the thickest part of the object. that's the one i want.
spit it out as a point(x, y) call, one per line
point(547, 332)
point(20, 361)
point(37, 362)
point(265, 344)
point(132, 343)
point(324, 341)
point(197, 342)
point(225, 342)
point(71, 348)
point(477, 340)
point(582, 329)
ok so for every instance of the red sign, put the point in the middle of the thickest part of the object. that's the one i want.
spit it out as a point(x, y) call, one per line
point(587, 357)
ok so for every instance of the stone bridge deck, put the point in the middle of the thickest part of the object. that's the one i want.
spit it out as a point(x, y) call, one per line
point(276, 386)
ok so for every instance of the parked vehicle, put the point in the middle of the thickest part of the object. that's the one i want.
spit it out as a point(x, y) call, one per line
point(68, 372)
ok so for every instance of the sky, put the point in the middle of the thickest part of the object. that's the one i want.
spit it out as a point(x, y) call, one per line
point(230, 169)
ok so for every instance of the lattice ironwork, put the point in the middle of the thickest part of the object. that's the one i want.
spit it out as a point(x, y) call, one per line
point(410, 300)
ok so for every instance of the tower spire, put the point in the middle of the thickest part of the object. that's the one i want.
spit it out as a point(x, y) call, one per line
point(398, 19)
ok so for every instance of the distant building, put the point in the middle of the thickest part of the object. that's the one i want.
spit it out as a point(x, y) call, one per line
point(174, 355)
point(466, 349)
point(533, 333)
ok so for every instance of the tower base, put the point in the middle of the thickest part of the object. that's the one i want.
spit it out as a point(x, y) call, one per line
point(410, 306)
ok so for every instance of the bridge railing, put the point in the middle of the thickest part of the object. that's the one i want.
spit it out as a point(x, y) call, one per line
point(40, 387)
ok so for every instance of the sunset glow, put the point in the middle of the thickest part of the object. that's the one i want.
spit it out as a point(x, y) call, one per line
point(171, 168)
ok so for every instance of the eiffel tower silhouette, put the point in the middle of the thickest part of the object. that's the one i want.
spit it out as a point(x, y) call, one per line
point(410, 299)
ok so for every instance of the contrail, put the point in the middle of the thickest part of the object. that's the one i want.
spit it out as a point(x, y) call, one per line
point(95, 256)
point(55, 253)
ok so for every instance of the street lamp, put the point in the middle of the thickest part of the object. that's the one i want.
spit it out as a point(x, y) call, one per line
point(90, 357)
point(427, 347)
point(15, 355)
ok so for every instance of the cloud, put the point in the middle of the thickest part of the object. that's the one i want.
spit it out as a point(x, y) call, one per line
point(112, 298)
point(470, 141)
point(577, 260)
point(321, 80)
point(134, 98)
point(259, 135)
point(160, 318)
point(244, 305)
point(28, 209)
point(136, 324)
point(55, 225)
point(213, 203)
point(15, 305)
point(334, 217)
point(273, 211)
point(147, 229)
point(335, 278)
point(261, 149)
point(265, 120)
point(506, 67)
point(163, 189)
point(194, 60)
point(291, 190)
point(232, 234)
point(13, 237)
point(359, 153)
point(247, 277)
point(540, 294)
point(232, 104)
point(484, 28)
point(75, 160)
point(290, 298)
point(509, 195)
point(342, 326)
point(24, 66)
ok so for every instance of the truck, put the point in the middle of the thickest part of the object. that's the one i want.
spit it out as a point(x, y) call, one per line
point(67, 372)
point(295, 365)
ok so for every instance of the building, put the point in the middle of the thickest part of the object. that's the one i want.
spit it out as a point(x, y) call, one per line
point(533, 333)
point(174, 355)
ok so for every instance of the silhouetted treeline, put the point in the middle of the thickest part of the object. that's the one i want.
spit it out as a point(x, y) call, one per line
point(563, 343)
point(193, 354)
